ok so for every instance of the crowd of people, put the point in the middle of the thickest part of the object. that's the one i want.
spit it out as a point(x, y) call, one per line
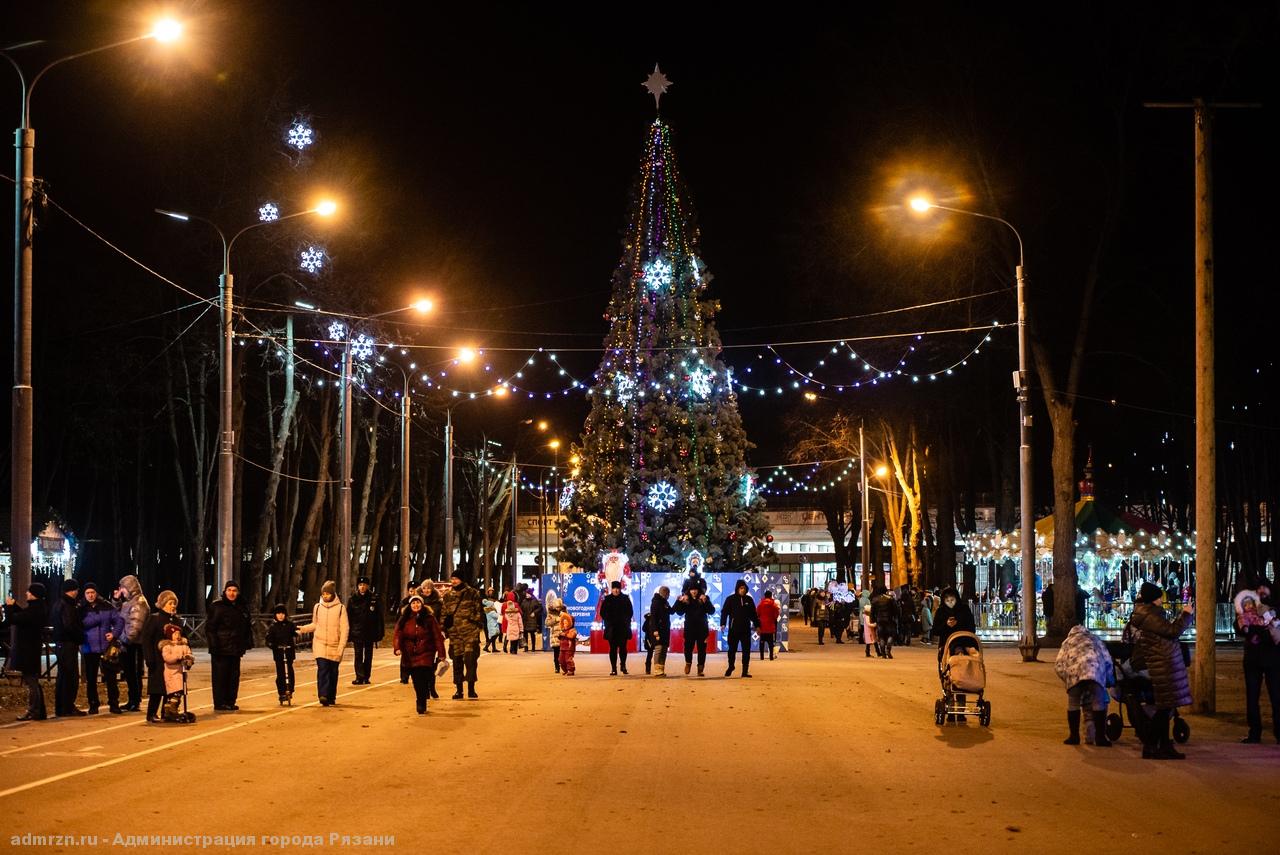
point(120, 637)
point(877, 617)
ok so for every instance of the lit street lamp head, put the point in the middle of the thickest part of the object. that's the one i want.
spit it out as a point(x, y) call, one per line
point(466, 354)
point(326, 208)
point(882, 471)
point(166, 30)
point(423, 306)
point(920, 204)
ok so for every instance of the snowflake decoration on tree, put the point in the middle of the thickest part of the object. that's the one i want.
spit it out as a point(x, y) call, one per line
point(657, 274)
point(361, 347)
point(337, 331)
point(748, 488)
point(300, 135)
point(567, 494)
point(662, 496)
point(624, 387)
point(268, 212)
point(700, 382)
point(312, 259)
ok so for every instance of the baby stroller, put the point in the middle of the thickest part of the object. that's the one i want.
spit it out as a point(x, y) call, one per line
point(1135, 696)
point(963, 675)
point(174, 710)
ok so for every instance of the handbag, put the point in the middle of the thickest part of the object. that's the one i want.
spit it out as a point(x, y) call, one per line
point(111, 655)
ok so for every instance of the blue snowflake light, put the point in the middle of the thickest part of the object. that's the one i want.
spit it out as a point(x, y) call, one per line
point(657, 274)
point(268, 212)
point(662, 496)
point(700, 382)
point(300, 135)
point(312, 259)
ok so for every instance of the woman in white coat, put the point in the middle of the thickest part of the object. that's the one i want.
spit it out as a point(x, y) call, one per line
point(330, 624)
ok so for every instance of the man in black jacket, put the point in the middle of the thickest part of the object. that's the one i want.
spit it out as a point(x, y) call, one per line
point(365, 614)
point(739, 615)
point(29, 625)
point(616, 613)
point(230, 633)
point(660, 629)
point(886, 612)
point(68, 635)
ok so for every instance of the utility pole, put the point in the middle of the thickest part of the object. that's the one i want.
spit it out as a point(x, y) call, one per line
point(448, 493)
point(482, 511)
point(1204, 670)
point(405, 412)
point(515, 519)
point(866, 508)
point(344, 491)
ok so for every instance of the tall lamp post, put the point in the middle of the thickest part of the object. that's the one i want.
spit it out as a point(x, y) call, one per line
point(226, 436)
point(1028, 646)
point(23, 398)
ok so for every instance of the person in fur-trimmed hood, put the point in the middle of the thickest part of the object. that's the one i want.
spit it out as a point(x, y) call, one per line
point(1084, 666)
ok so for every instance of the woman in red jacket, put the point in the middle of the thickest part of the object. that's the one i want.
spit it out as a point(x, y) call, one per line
point(421, 644)
point(768, 611)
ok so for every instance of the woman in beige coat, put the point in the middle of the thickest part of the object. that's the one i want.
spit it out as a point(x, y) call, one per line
point(330, 625)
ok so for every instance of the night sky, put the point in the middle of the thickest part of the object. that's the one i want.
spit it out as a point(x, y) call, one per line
point(487, 157)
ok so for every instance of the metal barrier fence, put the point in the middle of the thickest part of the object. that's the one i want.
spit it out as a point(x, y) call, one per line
point(1000, 620)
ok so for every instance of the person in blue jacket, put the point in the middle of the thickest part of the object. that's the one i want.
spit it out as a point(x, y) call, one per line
point(103, 624)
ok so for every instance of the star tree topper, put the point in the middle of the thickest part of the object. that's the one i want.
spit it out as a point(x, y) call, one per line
point(657, 84)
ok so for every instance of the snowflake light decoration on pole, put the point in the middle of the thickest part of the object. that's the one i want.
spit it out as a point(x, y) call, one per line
point(662, 496)
point(700, 382)
point(312, 259)
point(300, 135)
point(567, 494)
point(337, 331)
point(268, 212)
point(361, 347)
point(658, 274)
point(624, 388)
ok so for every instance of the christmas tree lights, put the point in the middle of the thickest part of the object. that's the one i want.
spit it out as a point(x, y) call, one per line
point(663, 448)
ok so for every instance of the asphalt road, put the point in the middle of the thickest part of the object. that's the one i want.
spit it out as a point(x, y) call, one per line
point(823, 749)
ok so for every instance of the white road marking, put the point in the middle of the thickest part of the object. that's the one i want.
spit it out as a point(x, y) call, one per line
point(134, 722)
point(22, 788)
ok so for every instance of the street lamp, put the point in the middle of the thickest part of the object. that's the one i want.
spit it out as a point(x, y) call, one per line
point(23, 398)
point(226, 441)
point(1028, 646)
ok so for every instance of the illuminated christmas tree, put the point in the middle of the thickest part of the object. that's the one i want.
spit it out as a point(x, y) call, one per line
point(661, 469)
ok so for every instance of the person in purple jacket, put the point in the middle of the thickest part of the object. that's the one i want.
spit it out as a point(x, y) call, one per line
point(103, 624)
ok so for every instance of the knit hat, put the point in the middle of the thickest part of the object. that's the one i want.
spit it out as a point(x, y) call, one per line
point(170, 629)
point(363, 580)
point(69, 585)
point(90, 586)
point(166, 597)
point(36, 589)
point(616, 584)
point(329, 587)
point(231, 583)
point(416, 597)
point(1149, 592)
point(279, 609)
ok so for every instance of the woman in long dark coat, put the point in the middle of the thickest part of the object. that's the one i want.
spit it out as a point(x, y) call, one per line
point(149, 640)
point(1159, 647)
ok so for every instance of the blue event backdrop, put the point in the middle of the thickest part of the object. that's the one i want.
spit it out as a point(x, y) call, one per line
point(581, 594)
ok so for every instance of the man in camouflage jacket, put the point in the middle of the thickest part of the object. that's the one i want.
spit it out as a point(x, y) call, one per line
point(461, 617)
